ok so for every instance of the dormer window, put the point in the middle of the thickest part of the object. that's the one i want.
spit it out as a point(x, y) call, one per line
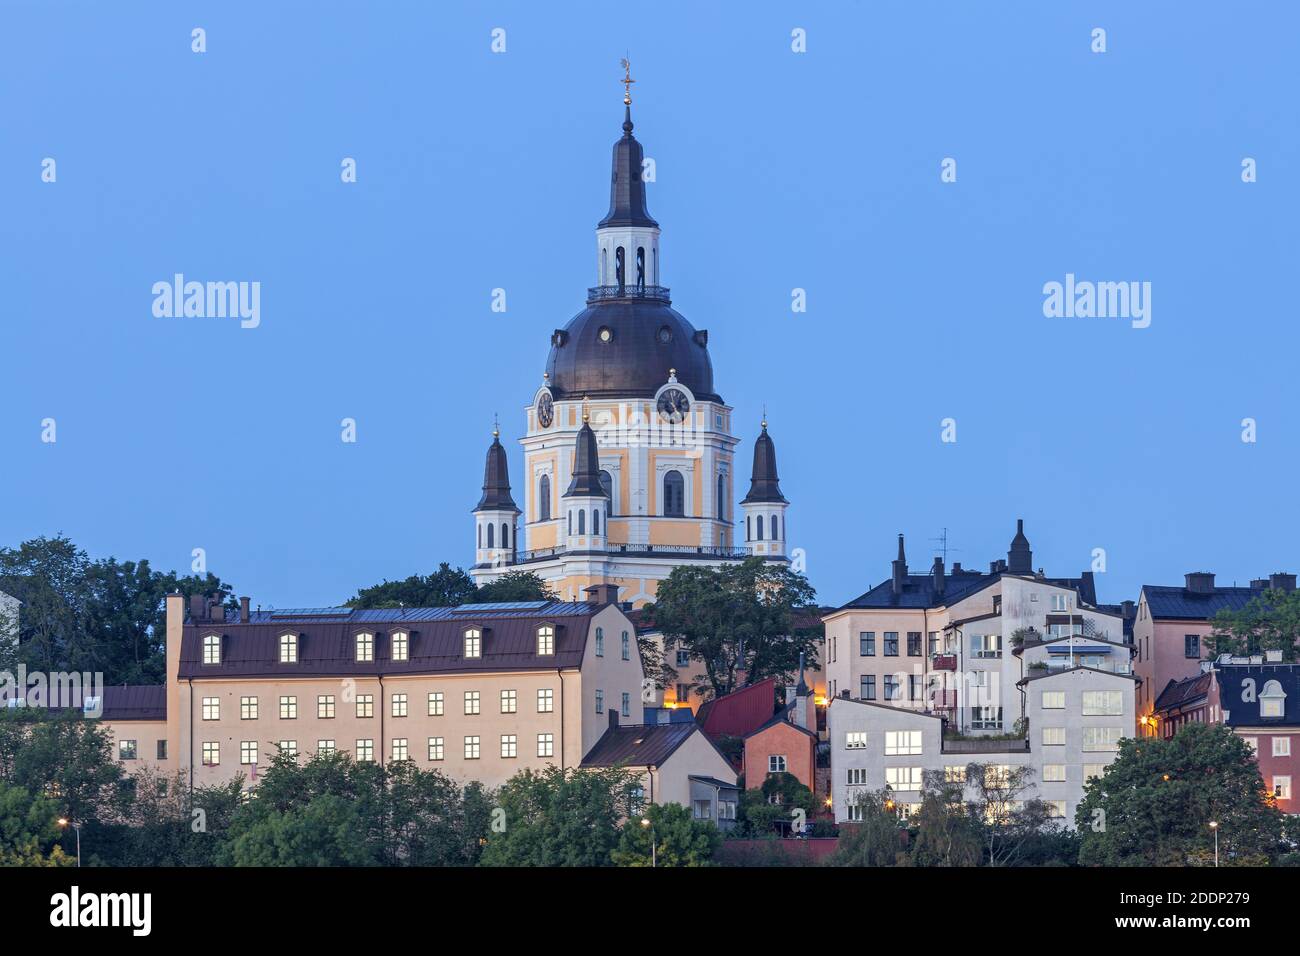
point(401, 646)
point(546, 639)
point(365, 647)
point(288, 648)
point(473, 643)
point(1272, 702)
point(212, 649)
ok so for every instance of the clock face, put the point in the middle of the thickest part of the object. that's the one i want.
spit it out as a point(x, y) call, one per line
point(673, 405)
point(545, 411)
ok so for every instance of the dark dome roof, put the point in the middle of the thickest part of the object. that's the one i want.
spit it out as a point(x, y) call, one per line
point(634, 363)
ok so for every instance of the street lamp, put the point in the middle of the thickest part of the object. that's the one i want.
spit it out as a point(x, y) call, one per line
point(645, 822)
point(65, 822)
point(1214, 825)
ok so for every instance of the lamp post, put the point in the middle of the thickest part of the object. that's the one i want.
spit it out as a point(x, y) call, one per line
point(1214, 825)
point(645, 822)
point(65, 822)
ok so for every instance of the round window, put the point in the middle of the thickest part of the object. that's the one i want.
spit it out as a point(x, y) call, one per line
point(606, 333)
point(665, 335)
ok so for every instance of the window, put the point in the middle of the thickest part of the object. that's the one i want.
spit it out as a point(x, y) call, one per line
point(759, 521)
point(400, 750)
point(473, 643)
point(867, 644)
point(247, 752)
point(626, 705)
point(1282, 788)
point(400, 646)
point(1053, 773)
point(288, 748)
point(1091, 770)
point(325, 706)
point(626, 645)
point(288, 708)
point(722, 493)
point(954, 774)
point(491, 529)
point(545, 700)
point(600, 701)
point(546, 745)
point(211, 753)
point(902, 742)
point(365, 705)
point(1060, 602)
point(509, 701)
point(607, 485)
point(1272, 700)
point(211, 708)
point(675, 496)
point(1056, 809)
point(435, 704)
point(1053, 700)
point(903, 778)
point(544, 498)
point(600, 642)
point(702, 809)
point(398, 705)
point(162, 750)
point(365, 751)
point(868, 687)
point(915, 685)
point(857, 777)
point(1053, 736)
point(509, 745)
point(435, 748)
point(1103, 703)
point(365, 647)
point(892, 691)
point(933, 641)
point(212, 649)
point(471, 748)
point(582, 521)
point(855, 740)
point(986, 645)
point(248, 708)
point(288, 648)
point(126, 749)
point(471, 702)
point(1281, 746)
point(776, 763)
point(913, 643)
point(683, 658)
point(1100, 738)
point(1192, 646)
point(1252, 743)
point(325, 746)
point(891, 643)
point(546, 639)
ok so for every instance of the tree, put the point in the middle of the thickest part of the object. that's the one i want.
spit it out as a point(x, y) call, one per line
point(1154, 804)
point(737, 618)
point(515, 586)
point(560, 817)
point(158, 820)
point(1007, 822)
point(776, 806)
point(1268, 622)
point(679, 839)
point(29, 829)
point(446, 587)
point(61, 754)
point(876, 839)
point(945, 833)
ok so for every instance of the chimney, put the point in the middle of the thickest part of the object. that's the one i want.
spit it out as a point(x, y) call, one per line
point(602, 594)
point(198, 608)
point(243, 610)
point(1088, 588)
point(956, 567)
point(216, 613)
point(996, 566)
point(1200, 582)
point(936, 573)
point(1259, 584)
point(900, 569)
point(1282, 581)
point(1128, 609)
point(613, 718)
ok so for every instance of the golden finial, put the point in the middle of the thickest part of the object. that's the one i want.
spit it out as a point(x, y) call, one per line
point(496, 427)
point(627, 82)
point(586, 415)
point(765, 416)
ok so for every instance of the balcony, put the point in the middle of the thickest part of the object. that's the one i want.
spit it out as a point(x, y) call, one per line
point(604, 293)
point(943, 662)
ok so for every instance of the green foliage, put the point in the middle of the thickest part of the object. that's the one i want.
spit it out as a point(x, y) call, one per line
point(770, 809)
point(158, 821)
point(557, 817)
point(28, 830)
point(877, 840)
point(1154, 804)
point(736, 618)
point(679, 839)
point(946, 834)
point(445, 587)
point(62, 754)
point(515, 586)
point(1269, 622)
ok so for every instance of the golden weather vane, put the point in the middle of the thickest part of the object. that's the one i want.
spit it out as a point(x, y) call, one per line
point(627, 82)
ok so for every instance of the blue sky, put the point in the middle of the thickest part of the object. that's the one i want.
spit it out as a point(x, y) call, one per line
point(775, 170)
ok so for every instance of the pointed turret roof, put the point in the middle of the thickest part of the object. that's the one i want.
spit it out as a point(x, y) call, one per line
point(627, 188)
point(764, 485)
point(586, 465)
point(1020, 560)
point(496, 479)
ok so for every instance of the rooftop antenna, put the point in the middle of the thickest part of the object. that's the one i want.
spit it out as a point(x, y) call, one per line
point(943, 545)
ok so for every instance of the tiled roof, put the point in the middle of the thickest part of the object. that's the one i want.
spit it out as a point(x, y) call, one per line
point(782, 716)
point(739, 712)
point(918, 591)
point(1266, 679)
point(1181, 604)
point(638, 745)
point(1179, 692)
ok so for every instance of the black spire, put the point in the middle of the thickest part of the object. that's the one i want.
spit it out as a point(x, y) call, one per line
point(496, 480)
point(627, 188)
point(586, 465)
point(1020, 560)
point(801, 690)
point(764, 485)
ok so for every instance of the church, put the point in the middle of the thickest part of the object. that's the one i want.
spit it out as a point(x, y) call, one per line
point(629, 449)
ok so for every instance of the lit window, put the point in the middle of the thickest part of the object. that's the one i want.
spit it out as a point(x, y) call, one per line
point(289, 748)
point(1252, 743)
point(248, 708)
point(365, 647)
point(365, 751)
point(546, 745)
point(473, 643)
point(1282, 788)
point(288, 708)
point(400, 750)
point(509, 745)
point(365, 705)
point(471, 702)
point(325, 706)
point(248, 752)
point(1053, 773)
point(212, 649)
point(435, 704)
point(954, 774)
point(1053, 736)
point(288, 648)
point(325, 747)
point(211, 753)
point(126, 749)
point(509, 702)
point(1056, 809)
point(546, 639)
point(1272, 701)
point(1103, 703)
point(545, 700)
point(1091, 770)
point(1101, 738)
point(471, 748)
point(211, 708)
point(776, 763)
point(435, 748)
point(1281, 746)
point(400, 646)
point(903, 778)
point(855, 740)
point(1054, 700)
point(902, 742)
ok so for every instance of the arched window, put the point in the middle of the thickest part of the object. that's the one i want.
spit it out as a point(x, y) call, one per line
point(595, 521)
point(490, 535)
point(570, 522)
point(760, 528)
point(212, 649)
point(674, 494)
point(505, 535)
point(722, 497)
point(748, 529)
point(480, 536)
point(546, 639)
point(604, 267)
point(582, 521)
point(607, 482)
point(544, 498)
point(775, 529)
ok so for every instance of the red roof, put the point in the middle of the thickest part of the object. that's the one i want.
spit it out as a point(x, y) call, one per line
point(740, 712)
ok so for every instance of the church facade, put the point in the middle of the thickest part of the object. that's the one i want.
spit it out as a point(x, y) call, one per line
point(630, 453)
